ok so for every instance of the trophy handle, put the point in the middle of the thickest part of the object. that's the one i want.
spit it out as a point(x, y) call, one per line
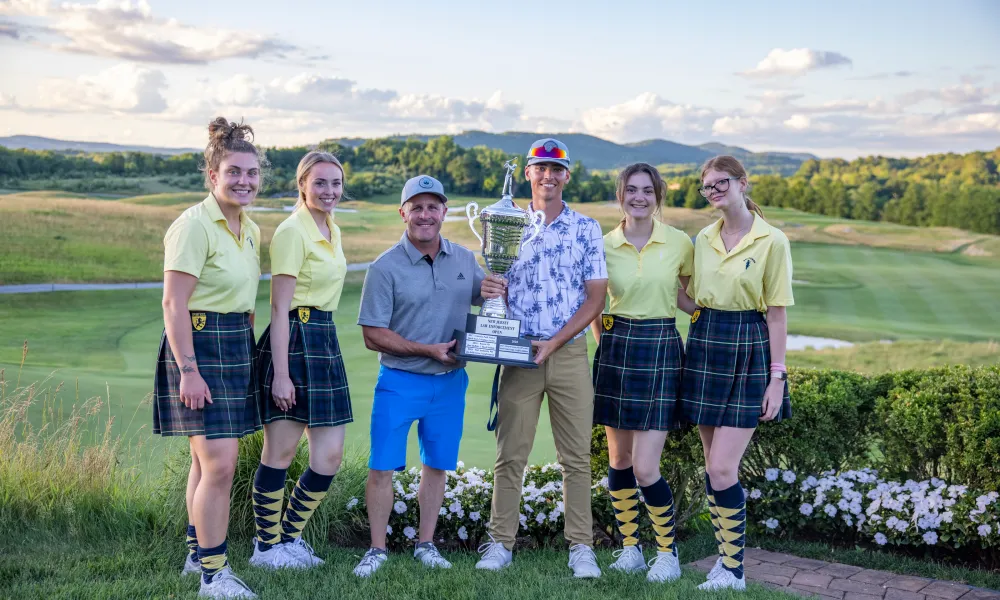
point(471, 210)
point(537, 218)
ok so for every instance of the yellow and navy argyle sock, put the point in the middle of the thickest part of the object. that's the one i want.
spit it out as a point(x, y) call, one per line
point(268, 492)
point(212, 560)
point(192, 543)
point(713, 513)
point(731, 505)
point(625, 501)
point(660, 504)
point(308, 493)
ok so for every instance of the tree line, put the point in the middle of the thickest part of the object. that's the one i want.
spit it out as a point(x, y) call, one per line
point(955, 190)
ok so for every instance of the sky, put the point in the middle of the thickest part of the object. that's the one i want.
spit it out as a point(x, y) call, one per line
point(839, 78)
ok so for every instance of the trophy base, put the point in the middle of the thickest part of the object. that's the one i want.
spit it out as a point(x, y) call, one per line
point(495, 341)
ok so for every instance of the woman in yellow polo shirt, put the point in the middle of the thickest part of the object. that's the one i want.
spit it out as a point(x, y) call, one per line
point(734, 373)
point(637, 368)
point(205, 386)
point(303, 384)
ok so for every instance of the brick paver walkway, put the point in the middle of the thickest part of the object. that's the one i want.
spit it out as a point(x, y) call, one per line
point(819, 579)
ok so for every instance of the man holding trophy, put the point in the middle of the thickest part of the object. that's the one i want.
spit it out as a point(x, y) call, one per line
point(557, 281)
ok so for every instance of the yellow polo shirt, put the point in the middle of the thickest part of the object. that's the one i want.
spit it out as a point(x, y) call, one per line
point(319, 266)
point(200, 243)
point(643, 284)
point(756, 274)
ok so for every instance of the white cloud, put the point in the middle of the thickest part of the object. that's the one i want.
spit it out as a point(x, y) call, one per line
point(128, 30)
point(955, 95)
point(644, 117)
point(122, 88)
point(781, 62)
point(736, 125)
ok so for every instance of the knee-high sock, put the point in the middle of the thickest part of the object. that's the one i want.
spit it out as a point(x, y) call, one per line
point(212, 560)
point(713, 513)
point(192, 542)
point(268, 493)
point(731, 505)
point(308, 493)
point(660, 504)
point(625, 501)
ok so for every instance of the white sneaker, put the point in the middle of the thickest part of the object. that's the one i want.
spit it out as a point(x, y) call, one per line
point(495, 556)
point(225, 585)
point(583, 561)
point(280, 556)
point(304, 552)
point(429, 555)
point(717, 569)
point(665, 567)
point(370, 562)
point(725, 581)
point(630, 560)
point(191, 567)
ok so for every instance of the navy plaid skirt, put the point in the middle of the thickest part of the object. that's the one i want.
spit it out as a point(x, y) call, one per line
point(224, 349)
point(727, 369)
point(316, 368)
point(637, 374)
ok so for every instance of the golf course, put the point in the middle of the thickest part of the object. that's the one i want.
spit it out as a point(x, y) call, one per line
point(904, 297)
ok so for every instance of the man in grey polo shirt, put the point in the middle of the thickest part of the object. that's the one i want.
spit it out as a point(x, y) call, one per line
point(416, 294)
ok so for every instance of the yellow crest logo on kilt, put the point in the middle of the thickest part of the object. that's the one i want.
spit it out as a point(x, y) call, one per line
point(304, 314)
point(695, 315)
point(608, 321)
point(198, 321)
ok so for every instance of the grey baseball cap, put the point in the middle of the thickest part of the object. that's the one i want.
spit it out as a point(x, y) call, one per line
point(549, 150)
point(422, 184)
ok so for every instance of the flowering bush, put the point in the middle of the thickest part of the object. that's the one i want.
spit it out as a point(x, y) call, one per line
point(859, 506)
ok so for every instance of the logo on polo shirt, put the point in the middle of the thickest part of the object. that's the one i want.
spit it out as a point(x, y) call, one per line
point(747, 263)
point(250, 239)
point(461, 277)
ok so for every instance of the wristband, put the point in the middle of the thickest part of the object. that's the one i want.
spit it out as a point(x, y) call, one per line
point(778, 367)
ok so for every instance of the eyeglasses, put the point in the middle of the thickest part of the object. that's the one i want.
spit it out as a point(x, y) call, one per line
point(721, 186)
point(541, 152)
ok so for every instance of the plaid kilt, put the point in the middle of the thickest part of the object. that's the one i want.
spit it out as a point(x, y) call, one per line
point(637, 374)
point(727, 369)
point(316, 368)
point(224, 349)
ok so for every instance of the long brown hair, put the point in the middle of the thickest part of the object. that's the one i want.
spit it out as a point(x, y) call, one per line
point(224, 138)
point(731, 166)
point(659, 188)
point(309, 161)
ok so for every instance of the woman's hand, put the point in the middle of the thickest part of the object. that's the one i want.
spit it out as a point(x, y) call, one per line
point(773, 397)
point(283, 392)
point(194, 391)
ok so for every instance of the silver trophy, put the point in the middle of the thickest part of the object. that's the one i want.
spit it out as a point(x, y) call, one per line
point(490, 336)
point(503, 233)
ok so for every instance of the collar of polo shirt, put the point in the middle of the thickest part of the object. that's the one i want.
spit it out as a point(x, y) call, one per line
point(305, 215)
point(659, 236)
point(759, 229)
point(415, 255)
point(215, 213)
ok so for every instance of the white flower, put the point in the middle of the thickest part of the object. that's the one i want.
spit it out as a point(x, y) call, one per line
point(540, 517)
point(847, 519)
point(388, 529)
point(788, 477)
point(755, 494)
point(806, 509)
point(891, 522)
point(462, 533)
point(474, 516)
point(461, 464)
point(771, 523)
point(410, 533)
point(880, 539)
point(771, 474)
point(443, 511)
point(984, 530)
point(830, 510)
point(455, 506)
point(931, 538)
point(352, 503)
point(901, 526)
point(399, 507)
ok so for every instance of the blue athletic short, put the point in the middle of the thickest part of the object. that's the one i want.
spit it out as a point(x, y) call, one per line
point(436, 402)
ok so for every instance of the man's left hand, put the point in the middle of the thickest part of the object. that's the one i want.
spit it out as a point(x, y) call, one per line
point(494, 286)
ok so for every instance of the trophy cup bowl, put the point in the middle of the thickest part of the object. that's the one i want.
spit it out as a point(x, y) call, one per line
point(490, 336)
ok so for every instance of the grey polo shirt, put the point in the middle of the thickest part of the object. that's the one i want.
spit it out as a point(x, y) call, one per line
point(423, 301)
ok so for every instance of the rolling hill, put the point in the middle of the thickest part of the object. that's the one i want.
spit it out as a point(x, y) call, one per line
point(34, 142)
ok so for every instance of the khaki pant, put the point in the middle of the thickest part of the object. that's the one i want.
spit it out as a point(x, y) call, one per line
point(565, 377)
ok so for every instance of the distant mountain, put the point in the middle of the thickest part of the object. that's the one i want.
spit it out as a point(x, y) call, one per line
point(32, 142)
point(601, 154)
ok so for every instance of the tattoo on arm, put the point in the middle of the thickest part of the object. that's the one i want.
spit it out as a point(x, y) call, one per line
point(187, 369)
point(189, 357)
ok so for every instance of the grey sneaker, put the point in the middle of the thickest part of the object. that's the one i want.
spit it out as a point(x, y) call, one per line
point(191, 567)
point(717, 569)
point(428, 554)
point(725, 581)
point(583, 562)
point(665, 567)
point(630, 560)
point(495, 556)
point(225, 585)
point(371, 562)
point(278, 556)
point(304, 552)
